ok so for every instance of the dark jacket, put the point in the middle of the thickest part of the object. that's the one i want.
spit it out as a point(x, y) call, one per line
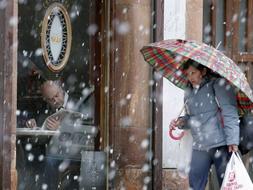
point(204, 117)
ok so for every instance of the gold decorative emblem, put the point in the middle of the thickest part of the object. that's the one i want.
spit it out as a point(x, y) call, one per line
point(56, 37)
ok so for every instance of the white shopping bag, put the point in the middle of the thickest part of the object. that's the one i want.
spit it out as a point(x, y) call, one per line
point(236, 175)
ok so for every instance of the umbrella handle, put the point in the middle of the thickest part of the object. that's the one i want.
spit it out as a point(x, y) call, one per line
point(175, 137)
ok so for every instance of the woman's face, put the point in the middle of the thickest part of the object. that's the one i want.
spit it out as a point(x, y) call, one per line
point(195, 76)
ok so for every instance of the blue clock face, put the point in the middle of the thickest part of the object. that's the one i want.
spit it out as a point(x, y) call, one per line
point(56, 37)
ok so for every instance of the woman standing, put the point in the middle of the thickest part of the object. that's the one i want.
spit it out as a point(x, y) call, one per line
point(212, 117)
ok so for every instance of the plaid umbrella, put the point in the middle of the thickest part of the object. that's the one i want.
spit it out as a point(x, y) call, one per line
point(168, 56)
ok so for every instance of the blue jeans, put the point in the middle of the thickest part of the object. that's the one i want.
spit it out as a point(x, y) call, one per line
point(201, 163)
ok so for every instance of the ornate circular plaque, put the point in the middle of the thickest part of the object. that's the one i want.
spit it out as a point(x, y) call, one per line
point(56, 37)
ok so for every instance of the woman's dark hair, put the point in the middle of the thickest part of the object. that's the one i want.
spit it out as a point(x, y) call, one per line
point(194, 64)
point(209, 73)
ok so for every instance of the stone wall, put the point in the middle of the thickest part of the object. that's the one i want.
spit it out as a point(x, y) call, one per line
point(173, 181)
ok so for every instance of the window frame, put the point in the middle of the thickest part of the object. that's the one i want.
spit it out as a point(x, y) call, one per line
point(232, 25)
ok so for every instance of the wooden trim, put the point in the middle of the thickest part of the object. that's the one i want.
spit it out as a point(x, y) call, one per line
point(112, 121)
point(224, 25)
point(159, 20)
point(105, 76)
point(249, 45)
point(213, 21)
point(243, 57)
point(194, 20)
point(8, 95)
point(235, 33)
point(158, 115)
point(95, 56)
point(2, 61)
point(112, 115)
point(249, 26)
point(229, 26)
point(105, 83)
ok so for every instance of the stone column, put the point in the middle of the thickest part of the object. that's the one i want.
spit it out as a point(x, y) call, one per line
point(129, 94)
point(194, 20)
point(8, 93)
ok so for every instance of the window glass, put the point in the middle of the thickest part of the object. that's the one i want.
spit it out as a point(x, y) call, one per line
point(57, 120)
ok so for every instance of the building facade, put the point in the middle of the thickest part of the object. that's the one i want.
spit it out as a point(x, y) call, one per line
point(93, 48)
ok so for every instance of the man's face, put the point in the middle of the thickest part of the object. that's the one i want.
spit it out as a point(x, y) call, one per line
point(53, 95)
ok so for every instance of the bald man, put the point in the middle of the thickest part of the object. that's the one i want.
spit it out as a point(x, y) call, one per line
point(56, 97)
point(53, 94)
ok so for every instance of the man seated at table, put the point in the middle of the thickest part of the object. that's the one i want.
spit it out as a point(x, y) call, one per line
point(62, 152)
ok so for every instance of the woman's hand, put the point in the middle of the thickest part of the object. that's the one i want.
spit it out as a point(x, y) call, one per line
point(232, 148)
point(176, 123)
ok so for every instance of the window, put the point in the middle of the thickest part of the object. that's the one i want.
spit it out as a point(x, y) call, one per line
point(46, 157)
point(228, 27)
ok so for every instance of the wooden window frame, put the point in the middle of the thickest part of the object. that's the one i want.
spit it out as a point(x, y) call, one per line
point(8, 95)
point(157, 141)
point(232, 24)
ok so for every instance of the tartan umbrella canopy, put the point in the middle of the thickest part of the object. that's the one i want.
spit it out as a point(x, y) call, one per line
point(168, 56)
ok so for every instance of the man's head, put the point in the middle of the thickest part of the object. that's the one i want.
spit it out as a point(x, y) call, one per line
point(53, 93)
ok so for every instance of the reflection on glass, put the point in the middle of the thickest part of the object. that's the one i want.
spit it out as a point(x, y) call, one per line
point(56, 121)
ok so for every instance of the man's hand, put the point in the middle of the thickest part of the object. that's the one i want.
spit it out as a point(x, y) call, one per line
point(232, 148)
point(31, 123)
point(53, 123)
